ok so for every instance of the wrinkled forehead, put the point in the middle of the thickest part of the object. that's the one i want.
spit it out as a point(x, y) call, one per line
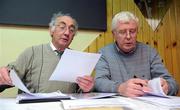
point(65, 19)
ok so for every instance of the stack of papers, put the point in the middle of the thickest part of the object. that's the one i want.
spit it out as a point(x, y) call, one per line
point(86, 103)
point(171, 101)
point(41, 97)
point(92, 95)
point(158, 97)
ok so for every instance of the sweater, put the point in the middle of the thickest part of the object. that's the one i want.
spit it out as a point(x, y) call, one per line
point(116, 67)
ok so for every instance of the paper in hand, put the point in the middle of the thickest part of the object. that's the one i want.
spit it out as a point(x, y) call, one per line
point(74, 64)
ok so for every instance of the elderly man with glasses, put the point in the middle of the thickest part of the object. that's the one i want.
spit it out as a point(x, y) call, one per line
point(36, 64)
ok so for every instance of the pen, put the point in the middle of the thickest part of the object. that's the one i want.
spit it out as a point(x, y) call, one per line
point(135, 76)
point(138, 83)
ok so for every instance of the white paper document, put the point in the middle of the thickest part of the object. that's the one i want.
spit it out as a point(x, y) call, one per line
point(16, 81)
point(155, 85)
point(32, 96)
point(19, 84)
point(86, 103)
point(91, 95)
point(171, 101)
point(158, 97)
point(74, 64)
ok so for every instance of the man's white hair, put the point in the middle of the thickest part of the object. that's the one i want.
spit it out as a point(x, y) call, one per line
point(123, 16)
point(60, 14)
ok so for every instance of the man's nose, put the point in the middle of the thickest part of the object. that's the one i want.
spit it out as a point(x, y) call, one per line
point(128, 36)
point(67, 31)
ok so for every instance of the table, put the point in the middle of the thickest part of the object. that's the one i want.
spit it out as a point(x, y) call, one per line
point(10, 104)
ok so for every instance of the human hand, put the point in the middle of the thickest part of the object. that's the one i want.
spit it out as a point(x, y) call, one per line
point(86, 83)
point(4, 76)
point(164, 85)
point(133, 87)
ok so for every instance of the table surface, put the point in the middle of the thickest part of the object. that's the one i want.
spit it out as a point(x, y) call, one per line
point(10, 104)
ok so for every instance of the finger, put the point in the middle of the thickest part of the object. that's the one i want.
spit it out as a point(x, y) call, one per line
point(164, 85)
point(86, 84)
point(163, 81)
point(140, 81)
point(135, 86)
point(4, 74)
point(134, 93)
point(82, 83)
point(146, 89)
point(81, 80)
point(165, 88)
point(138, 93)
point(84, 87)
point(88, 78)
point(5, 79)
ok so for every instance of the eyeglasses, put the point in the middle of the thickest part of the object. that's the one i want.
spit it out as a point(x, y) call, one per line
point(124, 33)
point(63, 27)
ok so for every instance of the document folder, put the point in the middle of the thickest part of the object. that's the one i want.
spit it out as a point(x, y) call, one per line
point(26, 98)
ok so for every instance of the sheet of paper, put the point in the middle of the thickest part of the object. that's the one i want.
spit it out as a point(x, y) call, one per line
point(73, 64)
point(86, 103)
point(91, 95)
point(155, 85)
point(19, 84)
point(171, 101)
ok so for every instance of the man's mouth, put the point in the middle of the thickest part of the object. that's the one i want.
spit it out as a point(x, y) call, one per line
point(128, 44)
point(64, 39)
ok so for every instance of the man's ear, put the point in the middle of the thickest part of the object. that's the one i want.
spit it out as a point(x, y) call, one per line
point(51, 30)
point(113, 33)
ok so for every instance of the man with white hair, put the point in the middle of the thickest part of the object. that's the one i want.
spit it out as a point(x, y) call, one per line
point(126, 65)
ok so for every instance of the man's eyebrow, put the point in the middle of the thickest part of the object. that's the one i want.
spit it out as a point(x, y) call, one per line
point(61, 22)
point(72, 26)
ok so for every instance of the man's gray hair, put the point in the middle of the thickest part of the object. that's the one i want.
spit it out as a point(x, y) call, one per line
point(123, 16)
point(60, 14)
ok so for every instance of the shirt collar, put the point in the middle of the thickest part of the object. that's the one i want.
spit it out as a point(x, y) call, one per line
point(55, 50)
point(58, 53)
point(52, 46)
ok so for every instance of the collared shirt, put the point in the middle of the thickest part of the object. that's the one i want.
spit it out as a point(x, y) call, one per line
point(56, 51)
point(53, 48)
